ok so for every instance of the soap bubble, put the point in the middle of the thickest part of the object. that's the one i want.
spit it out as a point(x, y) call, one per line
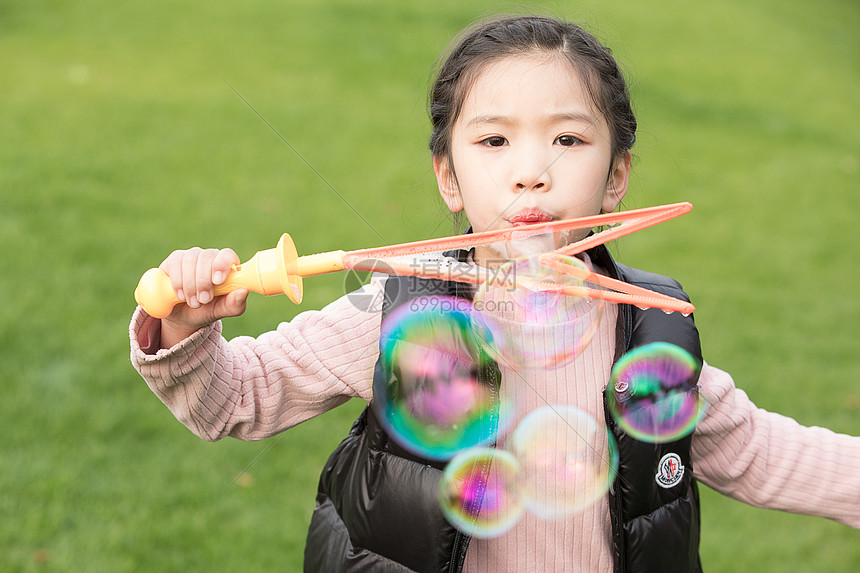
point(478, 492)
point(540, 304)
point(652, 393)
point(436, 389)
point(567, 460)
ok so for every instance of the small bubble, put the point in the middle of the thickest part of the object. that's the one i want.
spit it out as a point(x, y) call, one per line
point(546, 321)
point(567, 460)
point(434, 390)
point(663, 403)
point(478, 492)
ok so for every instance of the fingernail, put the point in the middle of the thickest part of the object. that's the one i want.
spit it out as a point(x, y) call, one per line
point(192, 302)
point(180, 294)
point(218, 277)
point(204, 297)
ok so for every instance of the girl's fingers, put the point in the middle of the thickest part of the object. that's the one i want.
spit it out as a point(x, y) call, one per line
point(195, 272)
point(172, 267)
point(203, 275)
point(188, 269)
point(233, 303)
point(222, 265)
point(192, 274)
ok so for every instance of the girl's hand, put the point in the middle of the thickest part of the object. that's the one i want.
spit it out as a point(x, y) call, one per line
point(193, 275)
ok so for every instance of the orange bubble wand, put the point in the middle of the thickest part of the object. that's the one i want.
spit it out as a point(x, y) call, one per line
point(280, 270)
point(613, 290)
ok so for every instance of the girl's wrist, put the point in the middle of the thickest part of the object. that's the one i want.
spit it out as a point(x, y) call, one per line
point(173, 333)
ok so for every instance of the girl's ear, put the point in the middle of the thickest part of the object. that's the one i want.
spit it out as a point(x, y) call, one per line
point(616, 184)
point(447, 182)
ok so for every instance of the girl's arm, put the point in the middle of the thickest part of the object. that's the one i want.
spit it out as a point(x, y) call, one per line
point(771, 461)
point(252, 388)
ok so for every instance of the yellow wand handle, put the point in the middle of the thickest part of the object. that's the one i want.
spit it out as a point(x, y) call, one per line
point(269, 272)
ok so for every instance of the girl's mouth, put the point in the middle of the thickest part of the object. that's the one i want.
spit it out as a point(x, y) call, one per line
point(529, 217)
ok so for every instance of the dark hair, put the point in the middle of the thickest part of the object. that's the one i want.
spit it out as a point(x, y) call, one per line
point(499, 38)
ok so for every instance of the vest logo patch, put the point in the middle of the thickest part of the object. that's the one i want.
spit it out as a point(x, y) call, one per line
point(669, 470)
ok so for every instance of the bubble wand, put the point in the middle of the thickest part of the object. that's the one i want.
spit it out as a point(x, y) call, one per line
point(612, 290)
point(280, 270)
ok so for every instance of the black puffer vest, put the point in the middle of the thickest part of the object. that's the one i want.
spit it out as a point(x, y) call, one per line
point(377, 507)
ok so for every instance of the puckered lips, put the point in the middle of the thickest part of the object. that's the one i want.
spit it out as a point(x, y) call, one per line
point(529, 216)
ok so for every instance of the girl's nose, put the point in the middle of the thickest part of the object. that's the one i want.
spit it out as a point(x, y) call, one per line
point(532, 175)
point(536, 185)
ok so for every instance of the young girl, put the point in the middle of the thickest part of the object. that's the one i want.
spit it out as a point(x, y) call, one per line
point(531, 123)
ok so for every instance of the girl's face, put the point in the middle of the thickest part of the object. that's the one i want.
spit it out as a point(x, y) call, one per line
point(529, 147)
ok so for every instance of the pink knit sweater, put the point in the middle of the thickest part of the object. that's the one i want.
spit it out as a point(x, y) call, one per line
point(252, 388)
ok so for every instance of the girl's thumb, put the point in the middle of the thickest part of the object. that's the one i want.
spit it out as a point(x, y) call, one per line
point(235, 302)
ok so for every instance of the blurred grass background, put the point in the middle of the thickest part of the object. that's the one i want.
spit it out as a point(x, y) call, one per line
point(122, 137)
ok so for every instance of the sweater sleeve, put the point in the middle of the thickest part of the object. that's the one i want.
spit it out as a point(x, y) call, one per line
point(252, 388)
point(771, 461)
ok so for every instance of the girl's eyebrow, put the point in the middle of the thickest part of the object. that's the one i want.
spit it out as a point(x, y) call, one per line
point(577, 116)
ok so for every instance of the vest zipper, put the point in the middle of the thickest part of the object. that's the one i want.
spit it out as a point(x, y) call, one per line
point(617, 515)
point(619, 528)
point(453, 567)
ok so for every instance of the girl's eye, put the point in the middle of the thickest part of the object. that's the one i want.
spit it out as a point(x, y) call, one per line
point(568, 140)
point(494, 141)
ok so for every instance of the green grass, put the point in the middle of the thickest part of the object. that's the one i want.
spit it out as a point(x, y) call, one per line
point(123, 138)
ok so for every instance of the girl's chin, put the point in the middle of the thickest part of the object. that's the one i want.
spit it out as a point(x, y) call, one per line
point(497, 254)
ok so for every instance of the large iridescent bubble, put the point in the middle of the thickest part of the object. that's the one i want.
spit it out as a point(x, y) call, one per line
point(567, 460)
point(478, 492)
point(652, 393)
point(436, 388)
point(541, 305)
